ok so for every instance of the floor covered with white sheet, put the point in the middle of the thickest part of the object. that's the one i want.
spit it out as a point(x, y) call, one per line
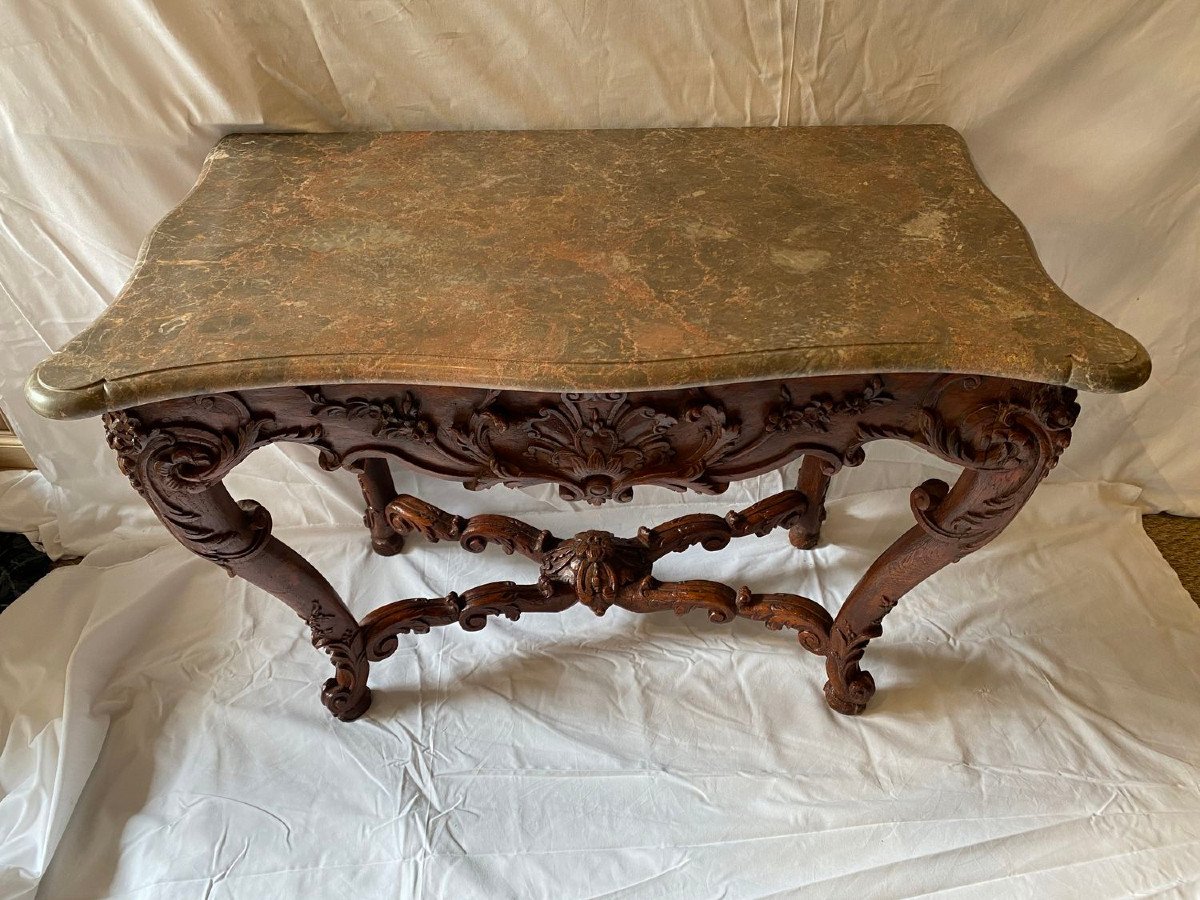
point(1034, 734)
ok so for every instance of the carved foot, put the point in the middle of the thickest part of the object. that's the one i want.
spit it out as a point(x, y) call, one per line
point(804, 540)
point(345, 704)
point(385, 546)
point(853, 699)
point(346, 694)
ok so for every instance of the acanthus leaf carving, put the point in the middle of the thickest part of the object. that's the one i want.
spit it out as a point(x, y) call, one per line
point(472, 443)
point(163, 461)
point(1025, 434)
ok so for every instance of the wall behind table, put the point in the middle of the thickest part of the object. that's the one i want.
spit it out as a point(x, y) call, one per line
point(1083, 116)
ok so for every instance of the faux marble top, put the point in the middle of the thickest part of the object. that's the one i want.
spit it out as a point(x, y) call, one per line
point(583, 260)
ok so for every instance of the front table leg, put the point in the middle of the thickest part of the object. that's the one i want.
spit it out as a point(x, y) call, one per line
point(178, 466)
point(1007, 447)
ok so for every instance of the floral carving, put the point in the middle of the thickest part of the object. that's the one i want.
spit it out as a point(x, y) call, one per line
point(819, 412)
point(395, 418)
point(1026, 434)
point(126, 439)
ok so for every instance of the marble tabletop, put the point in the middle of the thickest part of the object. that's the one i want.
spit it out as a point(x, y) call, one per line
point(582, 260)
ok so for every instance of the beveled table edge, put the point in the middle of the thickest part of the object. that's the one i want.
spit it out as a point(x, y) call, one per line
point(1095, 375)
point(340, 368)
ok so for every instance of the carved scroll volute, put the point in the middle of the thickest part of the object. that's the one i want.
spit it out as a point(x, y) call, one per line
point(168, 463)
point(1023, 433)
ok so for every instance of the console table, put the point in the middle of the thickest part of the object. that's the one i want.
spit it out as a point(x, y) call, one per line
point(600, 310)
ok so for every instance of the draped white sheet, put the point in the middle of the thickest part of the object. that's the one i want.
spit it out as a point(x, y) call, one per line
point(1034, 734)
point(1083, 116)
point(1035, 727)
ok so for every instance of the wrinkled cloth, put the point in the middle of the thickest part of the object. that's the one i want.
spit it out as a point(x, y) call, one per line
point(1084, 117)
point(1034, 732)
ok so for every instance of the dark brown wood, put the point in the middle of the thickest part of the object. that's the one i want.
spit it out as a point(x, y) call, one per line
point(1006, 434)
point(813, 482)
point(378, 489)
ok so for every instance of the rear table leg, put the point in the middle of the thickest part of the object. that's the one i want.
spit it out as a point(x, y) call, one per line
point(813, 482)
point(378, 490)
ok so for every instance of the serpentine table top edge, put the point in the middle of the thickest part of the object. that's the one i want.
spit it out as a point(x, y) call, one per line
point(629, 260)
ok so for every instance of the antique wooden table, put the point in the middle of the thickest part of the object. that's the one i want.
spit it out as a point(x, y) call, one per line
point(600, 310)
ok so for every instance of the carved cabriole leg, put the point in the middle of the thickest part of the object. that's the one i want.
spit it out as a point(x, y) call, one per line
point(905, 564)
point(1009, 446)
point(813, 482)
point(378, 490)
point(177, 466)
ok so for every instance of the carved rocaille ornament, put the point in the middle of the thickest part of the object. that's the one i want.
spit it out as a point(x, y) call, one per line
point(1007, 435)
point(164, 464)
point(597, 447)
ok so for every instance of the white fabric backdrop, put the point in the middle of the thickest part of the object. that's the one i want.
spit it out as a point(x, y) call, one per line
point(1037, 716)
point(1083, 116)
